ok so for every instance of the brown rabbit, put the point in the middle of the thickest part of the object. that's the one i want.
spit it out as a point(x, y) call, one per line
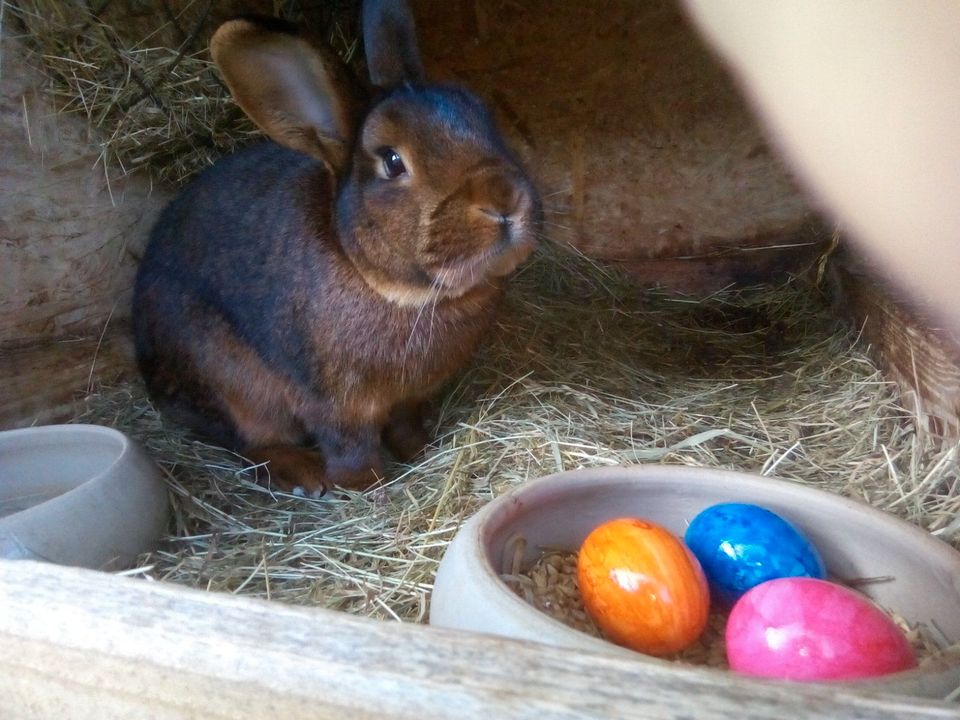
point(301, 300)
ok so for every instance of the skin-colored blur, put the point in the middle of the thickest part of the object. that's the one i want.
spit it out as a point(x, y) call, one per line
point(863, 99)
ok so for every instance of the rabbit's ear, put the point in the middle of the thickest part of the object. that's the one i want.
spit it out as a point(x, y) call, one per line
point(390, 43)
point(298, 94)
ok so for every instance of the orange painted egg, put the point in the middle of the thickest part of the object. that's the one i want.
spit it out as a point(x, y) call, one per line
point(642, 586)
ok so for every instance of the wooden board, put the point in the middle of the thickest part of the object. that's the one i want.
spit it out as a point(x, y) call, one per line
point(642, 145)
point(47, 382)
point(914, 350)
point(71, 233)
point(81, 644)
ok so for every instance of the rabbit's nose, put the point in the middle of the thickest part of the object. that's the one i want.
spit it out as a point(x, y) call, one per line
point(505, 223)
point(499, 192)
point(498, 216)
point(509, 207)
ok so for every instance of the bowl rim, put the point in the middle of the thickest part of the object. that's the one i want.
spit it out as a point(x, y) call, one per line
point(101, 521)
point(66, 429)
point(480, 531)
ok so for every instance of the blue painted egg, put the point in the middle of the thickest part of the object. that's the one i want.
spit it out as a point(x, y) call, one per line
point(741, 545)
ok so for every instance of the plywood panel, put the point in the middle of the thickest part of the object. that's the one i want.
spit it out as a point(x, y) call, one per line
point(642, 145)
point(915, 351)
point(70, 233)
point(47, 382)
point(79, 644)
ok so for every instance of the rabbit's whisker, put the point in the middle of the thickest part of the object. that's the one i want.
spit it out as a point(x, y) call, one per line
point(433, 311)
point(433, 297)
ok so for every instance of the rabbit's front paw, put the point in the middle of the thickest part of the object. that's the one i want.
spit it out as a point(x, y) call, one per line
point(355, 476)
point(293, 469)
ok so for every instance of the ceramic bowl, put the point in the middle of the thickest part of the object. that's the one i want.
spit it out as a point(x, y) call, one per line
point(80, 495)
point(855, 540)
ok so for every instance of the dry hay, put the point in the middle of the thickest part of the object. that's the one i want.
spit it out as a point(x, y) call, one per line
point(584, 369)
point(140, 72)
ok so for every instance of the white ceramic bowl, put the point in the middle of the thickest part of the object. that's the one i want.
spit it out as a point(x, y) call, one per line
point(78, 495)
point(856, 541)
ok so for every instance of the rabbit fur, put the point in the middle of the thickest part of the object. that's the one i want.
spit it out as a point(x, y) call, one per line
point(301, 300)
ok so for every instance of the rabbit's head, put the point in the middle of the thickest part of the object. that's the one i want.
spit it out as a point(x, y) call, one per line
point(429, 202)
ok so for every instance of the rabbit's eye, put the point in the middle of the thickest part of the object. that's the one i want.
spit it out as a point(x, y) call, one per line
point(392, 163)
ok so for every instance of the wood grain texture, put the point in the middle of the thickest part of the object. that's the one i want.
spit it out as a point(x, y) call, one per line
point(642, 145)
point(47, 382)
point(70, 237)
point(757, 261)
point(913, 349)
point(81, 644)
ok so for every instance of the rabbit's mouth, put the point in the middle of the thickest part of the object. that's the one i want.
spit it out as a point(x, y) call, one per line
point(449, 280)
point(456, 279)
point(498, 240)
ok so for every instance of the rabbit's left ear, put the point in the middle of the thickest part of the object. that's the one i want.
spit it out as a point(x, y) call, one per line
point(390, 43)
point(298, 94)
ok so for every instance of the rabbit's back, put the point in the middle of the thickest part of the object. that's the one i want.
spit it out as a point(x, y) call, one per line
point(237, 242)
point(234, 220)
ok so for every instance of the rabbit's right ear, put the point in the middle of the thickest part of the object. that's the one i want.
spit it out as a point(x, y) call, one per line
point(298, 94)
point(390, 43)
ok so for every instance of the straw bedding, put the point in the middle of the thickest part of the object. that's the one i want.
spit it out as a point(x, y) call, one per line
point(583, 368)
point(140, 72)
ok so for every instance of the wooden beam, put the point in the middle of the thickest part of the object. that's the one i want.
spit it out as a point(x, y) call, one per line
point(46, 383)
point(912, 348)
point(81, 644)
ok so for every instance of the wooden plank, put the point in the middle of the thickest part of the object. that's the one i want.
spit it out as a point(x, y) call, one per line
point(640, 142)
point(81, 644)
point(755, 261)
point(70, 238)
point(913, 350)
point(47, 382)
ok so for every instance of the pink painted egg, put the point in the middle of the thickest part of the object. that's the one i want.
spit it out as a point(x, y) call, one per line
point(808, 629)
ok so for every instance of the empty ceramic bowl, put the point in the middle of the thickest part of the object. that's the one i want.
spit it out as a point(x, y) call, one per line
point(557, 512)
point(78, 495)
